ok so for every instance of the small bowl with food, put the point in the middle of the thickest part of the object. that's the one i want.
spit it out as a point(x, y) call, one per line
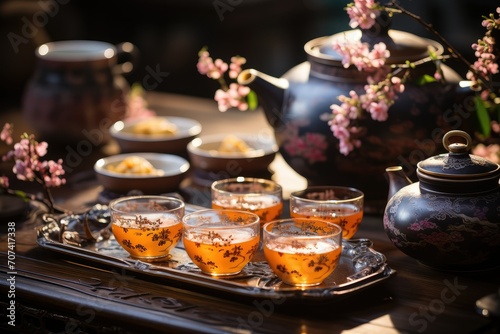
point(150, 173)
point(232, 154)
point(160, 134)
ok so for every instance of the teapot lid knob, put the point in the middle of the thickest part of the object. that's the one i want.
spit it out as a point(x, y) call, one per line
point(458, 164)
point(457, 147)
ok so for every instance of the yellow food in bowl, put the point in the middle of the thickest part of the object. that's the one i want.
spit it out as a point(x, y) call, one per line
point(155, 126)
point(134, 165)
point(233, 144)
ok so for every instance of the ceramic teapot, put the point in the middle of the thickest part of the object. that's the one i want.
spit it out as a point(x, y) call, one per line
point(296, 104)
point(77, 90)
point(450, 219)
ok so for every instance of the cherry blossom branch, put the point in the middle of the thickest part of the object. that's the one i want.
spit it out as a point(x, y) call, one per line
point(28, 167)
point(455, 53)
point(232, 95)
point(48, 195)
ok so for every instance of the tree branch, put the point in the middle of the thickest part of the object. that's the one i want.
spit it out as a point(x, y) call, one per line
point(455, 53)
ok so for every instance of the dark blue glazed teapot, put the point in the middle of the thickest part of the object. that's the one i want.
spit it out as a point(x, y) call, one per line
point(297, 106)
point(450, 219)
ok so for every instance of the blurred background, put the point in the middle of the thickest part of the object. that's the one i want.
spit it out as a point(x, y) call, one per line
point(169, 33)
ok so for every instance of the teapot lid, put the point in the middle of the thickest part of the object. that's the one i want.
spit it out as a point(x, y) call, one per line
point(403, 46)
point(458, 164)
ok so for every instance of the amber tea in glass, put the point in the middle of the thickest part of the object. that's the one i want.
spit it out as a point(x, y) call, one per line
point(221, 242)
point(260, 196)
point(147, 227)
point(302, 252)
point(339, 205)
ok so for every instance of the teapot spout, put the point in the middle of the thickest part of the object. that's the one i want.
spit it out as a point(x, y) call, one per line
point(270, 92)
point(397, 180)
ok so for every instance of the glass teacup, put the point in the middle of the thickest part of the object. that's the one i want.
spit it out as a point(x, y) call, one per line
point(147, 227)
point(340, 205)
point(221, 242)
point(260, 196)
point(302, 252)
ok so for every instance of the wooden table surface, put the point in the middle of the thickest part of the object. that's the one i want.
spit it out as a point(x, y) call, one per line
point(58, 293)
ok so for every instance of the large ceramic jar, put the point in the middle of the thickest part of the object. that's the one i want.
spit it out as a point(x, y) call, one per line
point(75, 92)
point(450, 219)
point(298, 106)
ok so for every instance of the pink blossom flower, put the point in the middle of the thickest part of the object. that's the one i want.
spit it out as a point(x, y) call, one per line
point(490, 152)
point(378, 55)
point(212, 69)
point(220, 67)
point(6, 134)
point(235, 66)
point(27, 166)
point(137, 107)
point(485, 64)
point(52, 172)
point(233, 97)
point(41, 148)
point(383, 86)
point(378, 110)
point(4, 182)
point(23, 171)
point(495, 127)
point(363, 13)
point(205, 62)
point(358, 54)
point(376, 101)
point(340, 124)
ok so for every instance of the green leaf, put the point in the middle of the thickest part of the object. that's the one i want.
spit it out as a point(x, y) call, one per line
point(252, 100)
point(432, 53)
point(482, 116)
point(136, 89)
point(424, 79)
point(22, 194)
point(410, 64)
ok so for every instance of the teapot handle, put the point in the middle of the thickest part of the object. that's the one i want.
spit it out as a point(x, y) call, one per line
point(128, 57)
point(456, 147)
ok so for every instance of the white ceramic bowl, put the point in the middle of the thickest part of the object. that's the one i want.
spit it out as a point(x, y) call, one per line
point(129, 142)
point(173, 170)
point(203, 154)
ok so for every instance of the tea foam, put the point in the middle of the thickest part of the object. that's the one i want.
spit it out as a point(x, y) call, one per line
point(284, 245)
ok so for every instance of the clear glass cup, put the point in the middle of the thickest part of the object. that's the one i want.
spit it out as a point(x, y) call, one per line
point(302, 252)
point(147, 227)
point(341, 205)
point(221, 242)
point(260, 196)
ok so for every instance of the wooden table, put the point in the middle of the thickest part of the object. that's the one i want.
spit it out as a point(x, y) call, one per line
point(58, 293)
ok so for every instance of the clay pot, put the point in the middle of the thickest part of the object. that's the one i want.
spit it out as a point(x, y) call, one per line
point(77, 91)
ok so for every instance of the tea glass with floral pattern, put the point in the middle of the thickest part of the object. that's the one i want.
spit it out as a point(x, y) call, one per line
point(221, 242)
point(260, 196)
point(337, 204)
point(147, 227)
point(302, 252)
